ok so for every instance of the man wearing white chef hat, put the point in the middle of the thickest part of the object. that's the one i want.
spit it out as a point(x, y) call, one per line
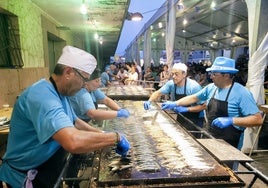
point(180, 86)
point(44, 126)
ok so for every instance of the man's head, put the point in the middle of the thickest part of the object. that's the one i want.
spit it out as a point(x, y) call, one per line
point(73, 69)
point(122, 69)
point(222, 71)
point(94, 80)
point(179, 73)
point(95, 75)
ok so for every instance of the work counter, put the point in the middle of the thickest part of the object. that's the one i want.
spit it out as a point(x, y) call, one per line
point(162, 154)
point(5, 112)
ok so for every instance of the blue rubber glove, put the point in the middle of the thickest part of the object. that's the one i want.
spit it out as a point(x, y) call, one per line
point(180, 109)
point(147, 105)
point(169, 105)
point(123, 146)
point(123, 113)
point(223, 122)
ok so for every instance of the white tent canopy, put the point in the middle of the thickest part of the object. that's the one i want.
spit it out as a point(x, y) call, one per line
point(256, 71)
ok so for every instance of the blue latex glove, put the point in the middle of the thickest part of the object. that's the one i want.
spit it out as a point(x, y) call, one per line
point(180, 109)
point(169, 105)
point(123, 146)
point(223, 122)
point(123, 113)
point(147, 105)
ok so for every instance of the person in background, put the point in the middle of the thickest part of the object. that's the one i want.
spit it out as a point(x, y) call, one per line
point(105, 80)
point(180, 86)
point(164, 76)
point(44, 127)
point(128, 67)
point(85, 102)
point(132, 76)
point(148, 76)
point(230, 106)
point(112, 72)
point(122, 75)
point(203, 81)
point(139, 70)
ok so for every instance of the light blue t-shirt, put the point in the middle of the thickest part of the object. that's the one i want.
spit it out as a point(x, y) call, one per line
point(83, 101)
point(192, 87)
point(104, 79)
point(38, 114)
point(240, 104)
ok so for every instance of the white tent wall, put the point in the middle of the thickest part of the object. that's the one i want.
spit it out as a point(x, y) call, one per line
point(256, 71)
point(147, 57)
point(170, 33)
point(258, 26)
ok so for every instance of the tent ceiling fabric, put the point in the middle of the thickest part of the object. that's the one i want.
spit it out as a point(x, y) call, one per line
point(223, 27)
point(104, 17)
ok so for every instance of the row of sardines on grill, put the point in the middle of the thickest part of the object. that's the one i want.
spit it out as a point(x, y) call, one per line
point(157, 144)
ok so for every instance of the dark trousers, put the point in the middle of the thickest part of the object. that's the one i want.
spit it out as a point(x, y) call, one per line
point(49, 172)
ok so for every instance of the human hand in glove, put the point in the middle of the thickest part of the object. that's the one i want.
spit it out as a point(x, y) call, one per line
point(169, 105)
point(180, 109)
point(123, 113)
point(147, 105)
point(222, 122)
point(122, 146)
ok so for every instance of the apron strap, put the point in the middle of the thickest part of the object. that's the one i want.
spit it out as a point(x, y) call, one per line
point(29, 178)
point(229, 91)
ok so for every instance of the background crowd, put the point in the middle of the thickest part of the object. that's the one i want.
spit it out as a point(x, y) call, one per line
point(130, 73)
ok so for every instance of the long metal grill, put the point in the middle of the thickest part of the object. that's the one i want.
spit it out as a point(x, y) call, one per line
point(127, 92)
point(162, 153)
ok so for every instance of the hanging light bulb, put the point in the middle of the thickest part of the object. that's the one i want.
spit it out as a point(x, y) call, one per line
point(134, 16)
point(96, 36)
point(213, 5)
point(185, 21)
point(83, 9)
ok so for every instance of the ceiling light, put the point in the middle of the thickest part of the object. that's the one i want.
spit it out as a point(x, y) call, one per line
point(184, 21)
point(134, 16)
point(183, 30)
point(213, 5)
point(96, 36)
point(83, 9)
point(180, 6)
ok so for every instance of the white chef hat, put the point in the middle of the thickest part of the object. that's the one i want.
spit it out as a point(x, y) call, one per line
point(77, 58)
point(179, 66)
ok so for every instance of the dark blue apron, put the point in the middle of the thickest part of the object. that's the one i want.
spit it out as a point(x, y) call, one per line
point(193, 116)
point(218, 108)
